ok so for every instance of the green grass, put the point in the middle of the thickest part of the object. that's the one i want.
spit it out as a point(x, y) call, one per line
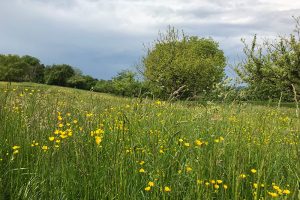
point(184, 147)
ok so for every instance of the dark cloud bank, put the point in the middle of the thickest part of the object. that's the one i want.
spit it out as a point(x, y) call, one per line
point(102, 38)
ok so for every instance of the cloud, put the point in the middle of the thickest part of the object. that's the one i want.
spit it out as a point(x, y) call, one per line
point(103, 37)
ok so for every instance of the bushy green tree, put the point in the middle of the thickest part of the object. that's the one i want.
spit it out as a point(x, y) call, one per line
point(104, 86)
point(182, 66)
point(271, 70)
point(16, 68)
point(36, 69)
point(125, 84)
point(81, 82)
point(58, 74)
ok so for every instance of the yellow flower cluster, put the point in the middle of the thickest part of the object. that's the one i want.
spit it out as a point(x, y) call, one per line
point(215, 184)
point(98, 135)
point(278, 191)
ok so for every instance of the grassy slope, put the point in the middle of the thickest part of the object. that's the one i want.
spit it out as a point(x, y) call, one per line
point(184, 148)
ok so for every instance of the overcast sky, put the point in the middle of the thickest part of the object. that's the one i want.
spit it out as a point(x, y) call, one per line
point(102, 37)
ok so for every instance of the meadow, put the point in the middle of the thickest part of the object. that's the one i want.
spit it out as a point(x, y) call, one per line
point(62, 143)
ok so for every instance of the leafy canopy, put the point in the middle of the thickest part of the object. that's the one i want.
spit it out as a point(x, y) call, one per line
point(182, 66)
point(25, 68)
point(58, 74)
point(272, 69)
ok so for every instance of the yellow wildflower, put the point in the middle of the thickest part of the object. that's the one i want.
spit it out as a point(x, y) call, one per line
point(253, 171)
point(187, 144)
point(63, 136)
point(167, 189)
point(188, 169)
point(142, 170)
point(151, 183)
point(45, 148)
point(142, 162)
point(70, 133)
point(89, 114)
point(243, 176)
point(16, 147)
point(51, 138)
point(286, 192)
point(198, 142)
point(273, 194)
point(99, 131)
point(16, 151)
point(98, 140)
point(276, 187)
point(148, 188)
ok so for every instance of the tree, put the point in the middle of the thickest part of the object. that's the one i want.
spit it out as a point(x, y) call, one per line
point(13, 68)
point(81, 82)
point(105, 86)
point(36, 70)
point(16, 68)
point(125, 84)
point(58, 74)
point(182, 66)
point(272, 69)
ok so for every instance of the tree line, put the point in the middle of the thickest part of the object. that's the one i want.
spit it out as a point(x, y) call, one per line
point(15, 68)
point(29, 69)
point(178, 66)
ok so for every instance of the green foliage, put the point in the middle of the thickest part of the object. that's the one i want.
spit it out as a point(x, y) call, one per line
point(81, 82)
point(16, 68)
point(36, 69)
point(123, 84)
point(272, 69)
point(224, 91)
point(182, 66)
point(104, 86)
point(58, 74)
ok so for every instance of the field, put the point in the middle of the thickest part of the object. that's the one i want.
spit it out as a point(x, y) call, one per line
point(62, 143)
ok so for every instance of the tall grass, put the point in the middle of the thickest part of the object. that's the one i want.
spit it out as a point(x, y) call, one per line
point(59, 143)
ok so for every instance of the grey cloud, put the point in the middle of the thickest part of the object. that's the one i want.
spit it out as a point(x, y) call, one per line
point(103, 37)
